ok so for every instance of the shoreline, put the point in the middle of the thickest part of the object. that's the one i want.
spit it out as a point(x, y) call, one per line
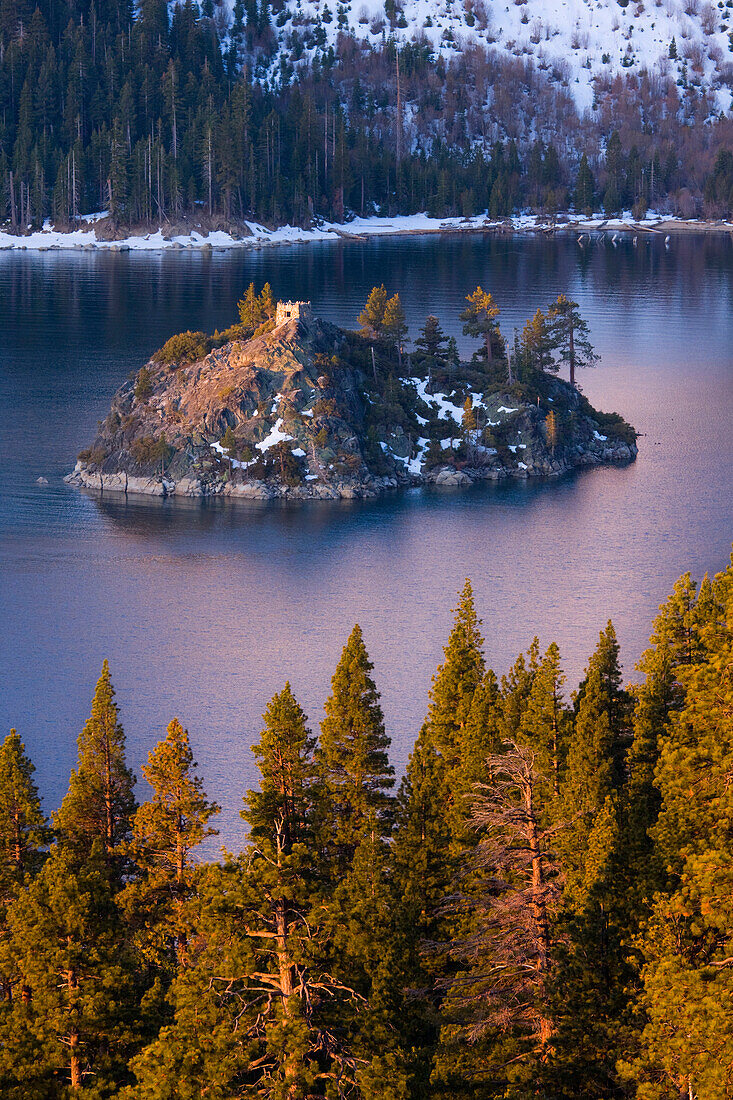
point(257, 236)
point(120, 484)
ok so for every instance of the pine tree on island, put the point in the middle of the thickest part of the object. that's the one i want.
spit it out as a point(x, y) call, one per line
point(256, 309)
point(371, 317)
point(395, 326)
point(537, 343)
point(479, 319)
point(431, 352)
point(568, 335)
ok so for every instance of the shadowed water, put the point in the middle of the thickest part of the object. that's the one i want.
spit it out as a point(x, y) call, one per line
point(205, 609)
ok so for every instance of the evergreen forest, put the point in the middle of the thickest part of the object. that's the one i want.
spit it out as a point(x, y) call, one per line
point(160, 114)
point(540, 907)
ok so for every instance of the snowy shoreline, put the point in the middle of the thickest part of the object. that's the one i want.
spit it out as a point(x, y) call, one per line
point(259, 236)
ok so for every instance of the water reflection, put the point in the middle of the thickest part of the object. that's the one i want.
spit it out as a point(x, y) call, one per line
point(204, 609)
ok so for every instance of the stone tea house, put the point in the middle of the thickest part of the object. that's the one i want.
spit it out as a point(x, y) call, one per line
point(292, 311)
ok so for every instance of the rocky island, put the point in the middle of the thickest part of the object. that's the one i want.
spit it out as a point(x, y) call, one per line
point(295, 407)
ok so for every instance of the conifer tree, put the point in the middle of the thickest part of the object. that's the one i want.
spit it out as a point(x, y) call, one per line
point(256, 1010)
point(256, 309)
point(100, 802)
point(286, 762)
point(352, 756)
point(568, 335)
point(371, 317)
point(456, 679)
point(516, 687)
point(506, 961)
point(676, 643)
point(543, 725)
point(23, 831)
point(479, 319)
point(165, 830)
point(585, 188)
point(552, 431)
point(394, 326)
point(537, 344)
point(597, 748)
point(592, 993)
point(78, 1020)
point(686, 944)
point(430, 355)
point(369, 955)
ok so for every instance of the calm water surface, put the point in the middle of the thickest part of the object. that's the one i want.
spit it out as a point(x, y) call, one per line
point(205, 610)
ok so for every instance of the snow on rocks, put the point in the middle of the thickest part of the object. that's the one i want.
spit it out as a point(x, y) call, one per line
point(277, 435)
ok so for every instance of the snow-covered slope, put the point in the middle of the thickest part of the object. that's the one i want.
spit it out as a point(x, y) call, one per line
point(578, 39)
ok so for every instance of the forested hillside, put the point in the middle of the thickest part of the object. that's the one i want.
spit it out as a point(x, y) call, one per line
point(540, 908)
point(268, 112)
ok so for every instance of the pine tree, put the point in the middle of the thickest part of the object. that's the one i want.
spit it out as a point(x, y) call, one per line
point(165, 830)
point(430, 355)
point(598, 744)
point(543, 725)
point(468, 418)
point(506, 960)
point(100, 802)
point(256, 309)
point(371, 317)
point(23, 831)
point(394, 326)
point(456, 680)
point(78, 1020)
point(352, 756)
point(686, 944)
point(537, 344)
point(286, 761)
point(585, 188)
point(568, 334)
point(591, 996)
point(256, 1010)
point(369, 955)
point(516, 687)
point(479, 319)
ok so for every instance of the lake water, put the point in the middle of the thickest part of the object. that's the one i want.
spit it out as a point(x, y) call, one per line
point(205, 610)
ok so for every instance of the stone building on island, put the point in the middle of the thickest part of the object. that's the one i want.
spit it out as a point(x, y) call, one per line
point(292, 311)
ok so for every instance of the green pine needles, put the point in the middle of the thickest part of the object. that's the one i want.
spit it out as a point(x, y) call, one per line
point(543, 909)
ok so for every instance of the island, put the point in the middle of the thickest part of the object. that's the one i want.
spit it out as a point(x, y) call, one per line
point(287, 405)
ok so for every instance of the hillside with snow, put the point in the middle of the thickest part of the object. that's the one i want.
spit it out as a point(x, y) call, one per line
point(574, 41)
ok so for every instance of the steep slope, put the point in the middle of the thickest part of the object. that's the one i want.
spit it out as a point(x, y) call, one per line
point(305, 411)
point(578, 41)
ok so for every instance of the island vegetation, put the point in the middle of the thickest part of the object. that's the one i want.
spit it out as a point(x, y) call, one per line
point(539, 908)
point(285, 404)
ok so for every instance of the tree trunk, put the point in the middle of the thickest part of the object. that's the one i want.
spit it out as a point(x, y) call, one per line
point(572, 353)
point(74, 1060)
point(74, 1055)
point(291, 1064)
point(539, 908)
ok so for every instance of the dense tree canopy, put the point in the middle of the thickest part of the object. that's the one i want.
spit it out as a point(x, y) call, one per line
point(543, 910)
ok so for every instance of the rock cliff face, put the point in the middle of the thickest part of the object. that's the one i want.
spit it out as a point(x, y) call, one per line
point(305, 411)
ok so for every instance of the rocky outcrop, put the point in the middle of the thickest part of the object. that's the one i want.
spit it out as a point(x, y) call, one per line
point(304, 411)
